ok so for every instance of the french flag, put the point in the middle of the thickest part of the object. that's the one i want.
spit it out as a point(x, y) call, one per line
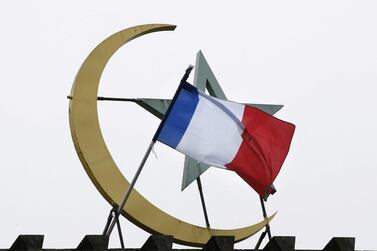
point(227, 135)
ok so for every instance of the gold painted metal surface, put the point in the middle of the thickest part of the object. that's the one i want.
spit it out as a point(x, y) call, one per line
point(99, 164)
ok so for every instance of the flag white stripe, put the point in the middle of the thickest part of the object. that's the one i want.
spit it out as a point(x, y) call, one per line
point(213, 135)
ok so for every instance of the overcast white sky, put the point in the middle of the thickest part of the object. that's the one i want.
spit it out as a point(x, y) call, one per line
point(318, 58)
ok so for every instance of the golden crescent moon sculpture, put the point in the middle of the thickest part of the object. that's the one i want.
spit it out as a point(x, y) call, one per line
point(100, 166)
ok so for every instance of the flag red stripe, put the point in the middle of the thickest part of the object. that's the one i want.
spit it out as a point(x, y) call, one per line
point(266, 142)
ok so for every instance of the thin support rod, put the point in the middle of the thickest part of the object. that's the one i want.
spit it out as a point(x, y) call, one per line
point(203, 202)
point(116, 99)
point(112, 99)
point(130, 187)
point(265, 217)
point(120, 234)
point(109, 219)
point(267, 231)
point(260, 240)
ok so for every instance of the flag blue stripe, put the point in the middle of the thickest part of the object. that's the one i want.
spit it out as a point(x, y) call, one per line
point(180, 116)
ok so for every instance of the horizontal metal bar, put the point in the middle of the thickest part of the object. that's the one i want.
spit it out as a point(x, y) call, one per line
point(112, 99)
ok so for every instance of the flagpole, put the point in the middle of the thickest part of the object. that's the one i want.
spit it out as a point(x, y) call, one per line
point(130, 187)
point(155, 137)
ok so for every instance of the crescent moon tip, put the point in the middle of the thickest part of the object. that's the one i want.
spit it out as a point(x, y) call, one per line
point(169, 26)
point(274, 214)
point(173, 26)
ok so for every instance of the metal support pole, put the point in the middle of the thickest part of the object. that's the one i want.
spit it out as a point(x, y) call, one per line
point(112, 99)
point(260, 240)
point(203, 202)
point(109, 219)
point(267, 231)
point(265, 217)
point(130, 187)
point(120, 234)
